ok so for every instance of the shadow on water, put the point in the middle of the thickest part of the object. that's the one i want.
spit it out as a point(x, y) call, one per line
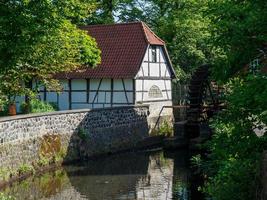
point(128, 176)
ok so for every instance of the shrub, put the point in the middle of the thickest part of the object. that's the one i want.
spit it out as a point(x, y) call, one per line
point(233, 162)
point(25, 169)
point(5, 197)
point(4, 110)
point(165, 129)
point(37, 106)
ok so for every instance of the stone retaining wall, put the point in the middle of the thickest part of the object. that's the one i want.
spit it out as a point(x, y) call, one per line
point(39, 139)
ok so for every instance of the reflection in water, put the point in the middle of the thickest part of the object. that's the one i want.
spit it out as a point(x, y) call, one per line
point(129, 176)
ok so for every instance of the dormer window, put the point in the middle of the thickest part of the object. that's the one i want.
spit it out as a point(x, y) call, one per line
point(154, 54)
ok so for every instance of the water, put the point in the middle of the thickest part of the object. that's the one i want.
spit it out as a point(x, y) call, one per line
point(129, 176)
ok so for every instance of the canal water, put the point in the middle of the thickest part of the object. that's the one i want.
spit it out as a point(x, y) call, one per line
point(129, 176)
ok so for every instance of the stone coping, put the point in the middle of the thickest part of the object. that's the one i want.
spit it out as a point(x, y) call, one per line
point(26, 116)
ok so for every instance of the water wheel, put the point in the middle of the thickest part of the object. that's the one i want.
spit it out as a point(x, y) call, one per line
point(202, 100)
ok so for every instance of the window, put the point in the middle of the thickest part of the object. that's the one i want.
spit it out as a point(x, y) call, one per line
point(254, 66)
point(155, 92)
point(154, 54)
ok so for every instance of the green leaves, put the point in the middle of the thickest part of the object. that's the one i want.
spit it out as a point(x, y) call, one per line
point(235, 149)
point(38, 40)
point(239, 29)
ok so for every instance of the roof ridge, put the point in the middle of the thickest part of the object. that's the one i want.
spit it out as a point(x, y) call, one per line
point(144, 25)
point(116, 24)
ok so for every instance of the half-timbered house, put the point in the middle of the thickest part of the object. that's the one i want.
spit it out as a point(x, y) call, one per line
point(135, 69)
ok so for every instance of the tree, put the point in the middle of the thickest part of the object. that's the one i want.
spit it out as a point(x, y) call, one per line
point(239, 29)
point(104, 13)
point(38, 39)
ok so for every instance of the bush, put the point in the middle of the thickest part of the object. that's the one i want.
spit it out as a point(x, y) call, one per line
point(4, 110)
point(5, 197)
point(233, 164)
point(37, 106)
point(166, 129)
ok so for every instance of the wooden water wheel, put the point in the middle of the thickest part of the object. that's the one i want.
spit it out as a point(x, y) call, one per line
point(202, 100)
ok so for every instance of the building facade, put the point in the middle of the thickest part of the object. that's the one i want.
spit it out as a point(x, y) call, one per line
point(135, 69)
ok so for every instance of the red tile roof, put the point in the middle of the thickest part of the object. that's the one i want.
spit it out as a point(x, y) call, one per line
point(123, 47)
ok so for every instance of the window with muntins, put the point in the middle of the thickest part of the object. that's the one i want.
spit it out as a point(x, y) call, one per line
point(155, 92)
point(154, 54)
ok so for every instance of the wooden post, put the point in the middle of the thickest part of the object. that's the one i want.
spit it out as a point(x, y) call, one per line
point(111, 95)
point(69, 83)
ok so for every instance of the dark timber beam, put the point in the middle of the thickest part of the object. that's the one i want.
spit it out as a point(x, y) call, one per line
point(70, 90)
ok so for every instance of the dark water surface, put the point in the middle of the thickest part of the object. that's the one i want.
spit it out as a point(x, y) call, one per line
point(128, 176)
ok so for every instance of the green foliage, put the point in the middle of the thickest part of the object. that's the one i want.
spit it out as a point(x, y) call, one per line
point(5, 197)
point(165, 129)
point(37, 106)
point(38, 40)
point(25, 169)
point(239, 29)
point(82, 134)
point(235, 150)
point(59, 156)
point(4, 109)
point(43, 161)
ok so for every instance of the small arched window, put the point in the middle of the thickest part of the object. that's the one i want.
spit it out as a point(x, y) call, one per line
point(155, 92)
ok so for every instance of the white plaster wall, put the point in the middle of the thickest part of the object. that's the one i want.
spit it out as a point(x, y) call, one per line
point(51, 97)
point(158, 69)
point(63, 101)
point(78, 97)
point(147, 77)
point(119, 96)
point(155, 108)
point(145, 85)
point(79, 84)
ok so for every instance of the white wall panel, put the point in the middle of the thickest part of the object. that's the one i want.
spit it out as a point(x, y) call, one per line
point(138, 96)
point(108, 97)
point(78, 97)
point(94, 84)
point(105, 84)
point(144, 69)
point(130, 97)
point(119, 97)
point(168, 84)
point(101, 97)
point(78, 84)
point(128, 84)
point(138, 85)
point(92, 96)
point(51, 97)
point(63, 101)
point(154, 69)
point(170, 94)
point(64, 84)
point(147, 86)
point(117, 84)
point(146, 56)
point(20, 99)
